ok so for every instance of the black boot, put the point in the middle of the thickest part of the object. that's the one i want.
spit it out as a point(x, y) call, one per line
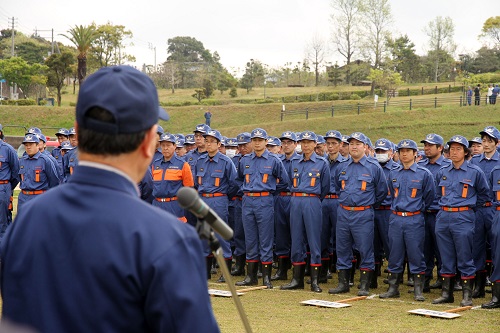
point(438, 284)
point(480, 284)
point(239, 266)
point(214, 266)
point(467, 292)
point(427, 283)
point(446, 291)
point(374, 282)
point(366, 277)
point(352, 273)
point(457, 286)
point(259, 270)
point(323, 271)
point(409, 276)
point(266, 275)
point(251, 278)
point(393, 291)
point(333, 262)
point(297, 280)
point(418, 287)
point(208, 261)
point(343, 286)
point(229, 264)
point(495, 299)
point(314, 278)
point(307, 272)
point(282, 272)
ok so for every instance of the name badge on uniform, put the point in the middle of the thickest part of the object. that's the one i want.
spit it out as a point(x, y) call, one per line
point(342, 173)
point(444, 177)
point(247, 166)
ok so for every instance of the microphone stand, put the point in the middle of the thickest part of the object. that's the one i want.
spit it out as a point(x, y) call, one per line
point(205, 232)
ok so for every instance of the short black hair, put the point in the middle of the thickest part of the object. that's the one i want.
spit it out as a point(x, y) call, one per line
point(487, 136)
point(92, 142)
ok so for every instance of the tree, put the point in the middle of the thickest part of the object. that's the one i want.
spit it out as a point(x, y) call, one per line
point(387, 80)
point(17, 71)
point(316, 50)
point(82, 37)
point(346, 31)
point(440, 32)
point(486, 60)
point(403, 58)
point(254, 75)
point(32, 52)
point(491, 29)
point(199, 94)
point(59, 67)
point(334, 74)
point(108, 46)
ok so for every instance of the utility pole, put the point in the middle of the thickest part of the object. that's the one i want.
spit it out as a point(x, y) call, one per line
point(12, 89)
point(52, 38)
point(151, 47)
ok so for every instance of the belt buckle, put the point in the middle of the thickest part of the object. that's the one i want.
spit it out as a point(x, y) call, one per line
point(304, 194)
point(404, 214)
point(351, 208)
point(449, 209)
point(251, 194)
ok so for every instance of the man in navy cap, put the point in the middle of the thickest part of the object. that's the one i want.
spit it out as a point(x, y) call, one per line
point(62, 135)
point(344, 146)
point(412, 190)
point(70, 160)
point(310, 183)
point(433, 149)
point(282, 211)
point(487, 160)
point(476, 146)
point(37, 172)
point(9, 178)
point(190, 143)
point(273, 145)
point(215, 176)
point(116, 264)
point(461, 188)
point(361, 185)
point(320, 148)
point(261, 175)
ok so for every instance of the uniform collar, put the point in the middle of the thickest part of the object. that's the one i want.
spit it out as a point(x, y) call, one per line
point(462, 167)
point(413, 167)
point(215, 158)
point(495, 156)
point(265, 154)
point(313, 158)
point(362, 161)
point(35, 157)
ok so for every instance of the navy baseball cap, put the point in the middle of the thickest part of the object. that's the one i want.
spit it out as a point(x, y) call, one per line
point(289, 135)
point(345, 138)
point(189, 139)
point(223, 141)
point(180, 136)
point(475, 140)
point(358, 136)
point(128, 94)
point(383, 144)
point(71, 131)
point(491, 131)
point(458, 139)
point(41, 137)
point(308, 135)
point(406, 143)
point(63, 132)
point(243, 138)
point(231, 142)
point(273, 141)
point(179, 143)
point(31, 138)
point(369, 142)
point(160, 130)
point(258, 133)
point(433, 139)
point(33, 130)
point(167, 137)
point(66, 145)
point(334, 135)
point(202, 128)
point(320, 139)
point(213, 133)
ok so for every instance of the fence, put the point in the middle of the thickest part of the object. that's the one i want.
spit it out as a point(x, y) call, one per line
point(374, 107)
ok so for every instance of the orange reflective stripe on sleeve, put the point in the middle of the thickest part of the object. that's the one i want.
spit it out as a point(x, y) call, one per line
point(264, 178)
point(313, 181)
point(413, 192)
point(443, 192)
point(498, 195)
point(247, 178)
point(363, 186)
point(37, 176)
point(343, 184)
point(187, 176)
point(465, 190)
point(396, 192)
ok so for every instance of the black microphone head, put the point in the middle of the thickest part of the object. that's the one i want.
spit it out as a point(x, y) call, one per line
point(187, 196)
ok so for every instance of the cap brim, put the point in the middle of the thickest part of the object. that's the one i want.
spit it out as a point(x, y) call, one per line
point(431, 142)
point(162, 114)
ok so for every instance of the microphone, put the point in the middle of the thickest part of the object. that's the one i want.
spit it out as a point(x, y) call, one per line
point(189, 199)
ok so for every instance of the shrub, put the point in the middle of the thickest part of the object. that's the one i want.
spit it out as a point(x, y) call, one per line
point(233, 92)
point(355, 97)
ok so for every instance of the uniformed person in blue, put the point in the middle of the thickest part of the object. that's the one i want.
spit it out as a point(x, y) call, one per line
point(361, 185)
point(169, 174)
point(487, 160)
point(70, 160)
point(158, 154)
point(461, 188)
point(433, 149)
point(36, 172)
point(476, 146)
point(320, 148)
point(329, 206)
point(261, 175)
point(62, 135)
point(42, 145)
point(310, 183)
point(494, 181)
point(344, 146)
point(274, 145)
point(190, 143)
point(215, 176)
point(412, 190)
point(180, 148)
point(282, 211)
point(9, 178)
point(114, 263)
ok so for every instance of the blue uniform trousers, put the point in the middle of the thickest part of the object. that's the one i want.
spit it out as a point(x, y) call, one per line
point(219, 205)
point(329, 209)
point(5, 193)
point(381, 234)
point(230, 221)
point(431, 250)
point(282, 226)
point(171, 206)
point(24, 198)
point(454, 235)
point(305, 228)
point(407, 236)
point(355, 230)
point(482, 235)
point(495, 250)
point(258, 224)
point(239, 232)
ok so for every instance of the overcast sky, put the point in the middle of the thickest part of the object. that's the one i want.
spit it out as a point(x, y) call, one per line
point(272, 31)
